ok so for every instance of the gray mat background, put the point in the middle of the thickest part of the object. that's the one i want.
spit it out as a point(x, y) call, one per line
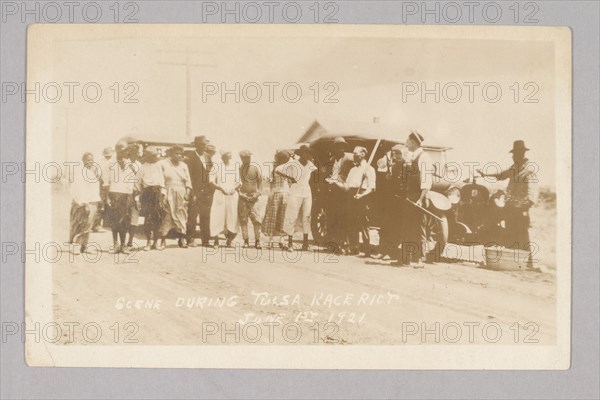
point(581, 381)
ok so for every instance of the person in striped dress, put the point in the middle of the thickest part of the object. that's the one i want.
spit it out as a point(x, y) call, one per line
point(273, 222)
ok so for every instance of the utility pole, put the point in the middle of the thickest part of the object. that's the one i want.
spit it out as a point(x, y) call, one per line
point(188, 79)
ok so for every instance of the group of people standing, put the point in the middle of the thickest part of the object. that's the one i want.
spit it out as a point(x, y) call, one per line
point(351, 199)
point(181, 192)
point(405, 176)
point(225, 197)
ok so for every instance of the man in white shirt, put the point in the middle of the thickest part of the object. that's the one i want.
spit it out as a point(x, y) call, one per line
point(85, 195)
point(359, 184)
point(299, 203)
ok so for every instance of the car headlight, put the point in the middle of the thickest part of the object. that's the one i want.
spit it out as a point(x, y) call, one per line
point(454, 195)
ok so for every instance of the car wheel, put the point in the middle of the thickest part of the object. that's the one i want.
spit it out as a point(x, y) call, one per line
point(319, 224)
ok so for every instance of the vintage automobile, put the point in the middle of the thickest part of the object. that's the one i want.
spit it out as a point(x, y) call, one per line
point(161, 146)
point(377, 147)
point(474, 213)
point(474, 217)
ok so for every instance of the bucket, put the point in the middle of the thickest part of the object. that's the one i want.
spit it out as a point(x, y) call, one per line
point(504, 259)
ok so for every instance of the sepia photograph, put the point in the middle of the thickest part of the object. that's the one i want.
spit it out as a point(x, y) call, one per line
point(253, 196)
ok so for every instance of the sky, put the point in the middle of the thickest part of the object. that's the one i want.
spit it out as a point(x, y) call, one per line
point(368, 76)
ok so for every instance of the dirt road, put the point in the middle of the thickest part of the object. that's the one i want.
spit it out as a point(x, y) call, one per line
point(197, 295)
point(182, 296)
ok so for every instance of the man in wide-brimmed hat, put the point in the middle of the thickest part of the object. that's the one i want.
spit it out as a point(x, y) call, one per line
point(340, 162)
point(200, 165)
point(521, 194)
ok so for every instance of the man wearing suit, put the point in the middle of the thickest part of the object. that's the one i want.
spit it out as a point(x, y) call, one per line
point(199, 166)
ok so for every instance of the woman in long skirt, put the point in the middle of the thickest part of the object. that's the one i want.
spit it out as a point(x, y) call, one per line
point(272, 224)
point(121, 183)
point(179, 188)
point(151, 182)
point(224, 209)
point(85, 194)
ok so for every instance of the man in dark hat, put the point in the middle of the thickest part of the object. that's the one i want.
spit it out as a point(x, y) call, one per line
point(521, 194)
point(199, 165)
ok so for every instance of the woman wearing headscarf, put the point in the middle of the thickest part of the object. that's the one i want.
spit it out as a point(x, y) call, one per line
point(178, 187)
point(85, 194)
point(151, 185)
point(272, 224)
point(224, 210)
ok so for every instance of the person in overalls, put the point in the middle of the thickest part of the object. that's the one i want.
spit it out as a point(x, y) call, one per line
point(419, 179)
